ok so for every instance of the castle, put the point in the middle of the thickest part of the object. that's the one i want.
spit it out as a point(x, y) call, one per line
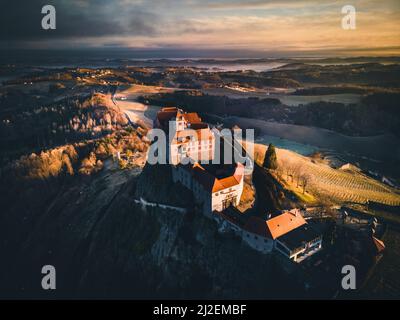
point(190, 138)
point(217, 189)
point(215, 186)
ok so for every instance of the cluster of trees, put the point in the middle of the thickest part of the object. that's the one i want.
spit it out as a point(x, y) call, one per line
point(84, 158)
point(32, 128)
point(375, 114)
point(196, 101)
point(292, 171)
point(295, 173)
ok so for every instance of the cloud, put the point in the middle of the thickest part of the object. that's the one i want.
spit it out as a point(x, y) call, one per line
point(21, 20)
point(200, 24)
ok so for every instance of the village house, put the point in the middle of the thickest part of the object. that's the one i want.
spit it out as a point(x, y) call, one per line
point(288, 233)
point(293, 236)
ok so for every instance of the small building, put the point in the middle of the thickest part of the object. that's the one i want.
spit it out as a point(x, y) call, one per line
point(293, 236)
point(288, 233)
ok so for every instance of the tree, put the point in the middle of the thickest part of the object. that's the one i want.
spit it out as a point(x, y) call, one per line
point(297, 172)
point(305, 178)
point(270, 160)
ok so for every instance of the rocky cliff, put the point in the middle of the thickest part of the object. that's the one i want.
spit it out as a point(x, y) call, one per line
point(104, 245)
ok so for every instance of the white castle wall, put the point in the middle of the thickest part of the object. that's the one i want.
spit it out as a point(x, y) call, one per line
point(210, 201)
point(219, 197)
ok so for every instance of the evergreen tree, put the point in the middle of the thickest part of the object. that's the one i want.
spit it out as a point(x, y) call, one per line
point(270, 160)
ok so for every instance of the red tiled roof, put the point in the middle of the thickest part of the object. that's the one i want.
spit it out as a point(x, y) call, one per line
point(284, 223)
point(166, 114)
point(221, 184)
point(192, 117)
point(169, 109)
point(201, 134)
point(208, 181)
point(275, 227)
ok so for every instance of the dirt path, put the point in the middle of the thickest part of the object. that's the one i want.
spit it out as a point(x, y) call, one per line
point(136, 111)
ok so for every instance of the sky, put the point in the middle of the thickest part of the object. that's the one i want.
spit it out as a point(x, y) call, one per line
point(280, 27)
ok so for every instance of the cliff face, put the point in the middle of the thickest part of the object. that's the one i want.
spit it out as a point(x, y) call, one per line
point(104, 245)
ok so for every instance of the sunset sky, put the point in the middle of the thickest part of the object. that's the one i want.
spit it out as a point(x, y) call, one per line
point(281, 26)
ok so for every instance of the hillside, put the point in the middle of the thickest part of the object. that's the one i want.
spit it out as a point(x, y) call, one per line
point(325, 184)
point(27, 126)
point(103, 245)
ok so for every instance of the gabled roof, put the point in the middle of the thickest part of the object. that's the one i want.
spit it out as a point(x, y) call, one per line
point(171, 113)
point(291, 229)
point(197, 134)
point(284, 223)
point(209, 181)
point(166, 114)
point(221, 184)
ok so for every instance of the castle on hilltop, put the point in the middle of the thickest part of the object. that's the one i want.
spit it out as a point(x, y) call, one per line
point(215, 186)
point(217, 189)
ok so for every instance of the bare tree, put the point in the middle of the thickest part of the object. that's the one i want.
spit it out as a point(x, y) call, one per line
point(305, 178)
point(289, 169)
point(297, 173)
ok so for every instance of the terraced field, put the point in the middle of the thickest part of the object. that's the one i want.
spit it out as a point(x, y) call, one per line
point(328, 184)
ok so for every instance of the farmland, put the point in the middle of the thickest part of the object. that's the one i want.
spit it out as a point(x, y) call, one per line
point(327, 185)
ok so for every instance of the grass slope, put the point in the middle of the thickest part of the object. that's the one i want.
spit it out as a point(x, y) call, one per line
point(326, 184)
